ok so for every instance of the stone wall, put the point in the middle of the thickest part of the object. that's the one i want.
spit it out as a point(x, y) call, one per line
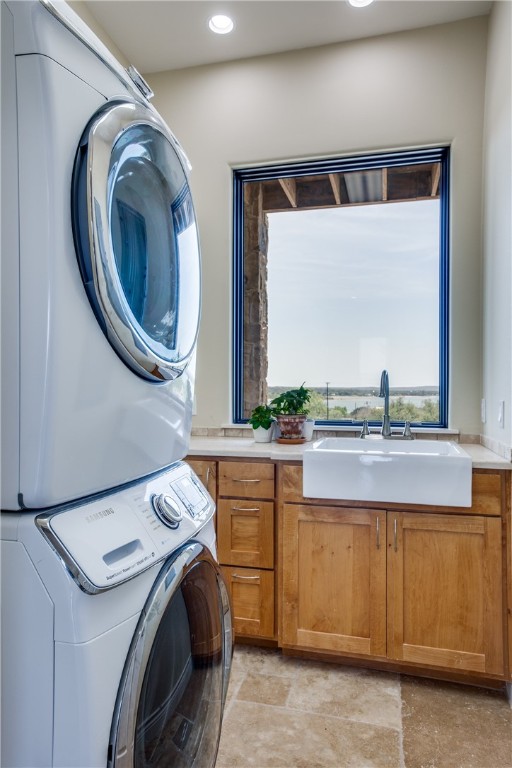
point(255, 298)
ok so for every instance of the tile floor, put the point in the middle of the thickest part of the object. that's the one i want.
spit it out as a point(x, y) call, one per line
point(284, 712)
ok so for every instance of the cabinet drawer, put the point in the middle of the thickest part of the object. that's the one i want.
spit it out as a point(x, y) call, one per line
point(245, 533)
point(248, 480)
point(252, 598)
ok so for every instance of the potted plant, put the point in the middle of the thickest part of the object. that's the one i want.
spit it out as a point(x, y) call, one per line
point(291, 410)
point(261, 421)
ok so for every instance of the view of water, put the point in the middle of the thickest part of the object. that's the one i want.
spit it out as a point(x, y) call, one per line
point(351, 402)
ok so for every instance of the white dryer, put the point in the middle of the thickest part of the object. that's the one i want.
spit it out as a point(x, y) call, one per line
point(100, 268)
point(116, 630)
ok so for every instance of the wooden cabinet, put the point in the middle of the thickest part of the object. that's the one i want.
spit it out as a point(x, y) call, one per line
point(445, 591)
point(245, 538)
point(334, 579)
point(410, 586)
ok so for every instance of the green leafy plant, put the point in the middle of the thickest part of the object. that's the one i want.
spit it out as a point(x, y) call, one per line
point(262, 416)
point(293, 401)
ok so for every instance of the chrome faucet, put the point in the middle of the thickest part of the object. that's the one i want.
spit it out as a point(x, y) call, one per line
point(384, 392)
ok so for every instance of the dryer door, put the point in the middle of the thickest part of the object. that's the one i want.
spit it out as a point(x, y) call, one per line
point(172, 692)
point(136, 238)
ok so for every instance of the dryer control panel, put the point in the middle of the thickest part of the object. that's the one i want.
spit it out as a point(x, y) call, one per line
point(114, 537)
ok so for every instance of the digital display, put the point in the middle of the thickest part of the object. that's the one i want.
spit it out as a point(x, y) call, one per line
point(190, 495)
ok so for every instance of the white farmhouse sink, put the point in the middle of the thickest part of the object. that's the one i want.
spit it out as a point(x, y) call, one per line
point(402, 471)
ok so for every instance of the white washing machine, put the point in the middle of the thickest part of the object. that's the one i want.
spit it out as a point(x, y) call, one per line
point(100, 268)
point(116, 630)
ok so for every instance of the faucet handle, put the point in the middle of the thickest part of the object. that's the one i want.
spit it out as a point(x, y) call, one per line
point(365, 429)
point(407, 431)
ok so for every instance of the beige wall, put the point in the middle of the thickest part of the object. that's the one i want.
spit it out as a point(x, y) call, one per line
point(497, 188)
point(401, 90)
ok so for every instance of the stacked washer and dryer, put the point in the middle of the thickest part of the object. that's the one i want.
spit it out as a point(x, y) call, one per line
point(116, 626)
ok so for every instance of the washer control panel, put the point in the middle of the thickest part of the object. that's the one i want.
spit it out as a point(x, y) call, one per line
point(115, 536)
point(167, 509)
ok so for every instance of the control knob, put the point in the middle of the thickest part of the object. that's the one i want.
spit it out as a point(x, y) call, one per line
point(167, 509)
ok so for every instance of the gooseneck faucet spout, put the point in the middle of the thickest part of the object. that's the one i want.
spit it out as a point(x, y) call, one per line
point(384, 392)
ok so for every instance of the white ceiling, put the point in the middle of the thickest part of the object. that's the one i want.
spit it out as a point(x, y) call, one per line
point(157, 35)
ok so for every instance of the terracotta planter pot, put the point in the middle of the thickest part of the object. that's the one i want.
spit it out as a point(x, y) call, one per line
point(291, 425)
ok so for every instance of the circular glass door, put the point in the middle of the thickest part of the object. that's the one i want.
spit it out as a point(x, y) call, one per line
point(171, 697)
point(136, 239)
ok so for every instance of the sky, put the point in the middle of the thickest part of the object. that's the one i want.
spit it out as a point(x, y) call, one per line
point(352, 291)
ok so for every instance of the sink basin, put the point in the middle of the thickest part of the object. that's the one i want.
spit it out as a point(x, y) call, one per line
point(434, 472)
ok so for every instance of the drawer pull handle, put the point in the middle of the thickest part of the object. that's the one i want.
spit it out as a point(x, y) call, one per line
point(378, 533)
point(245, 509)
point(240, 480)
point(207, 476)
point(245, 578)
point(395, 536)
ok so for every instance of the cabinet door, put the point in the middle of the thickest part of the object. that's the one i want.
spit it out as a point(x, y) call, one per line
point(245, 532)
point(252, 600)
point(445, 591)
point(334, 579)
point(207, 473)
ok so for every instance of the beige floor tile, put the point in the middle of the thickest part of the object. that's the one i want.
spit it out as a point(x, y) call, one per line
point(285, 712)
point(262, 736)
point(237, 676)
point(271, 661)
point(356, 694)
point(455, 726)
point(265, 689)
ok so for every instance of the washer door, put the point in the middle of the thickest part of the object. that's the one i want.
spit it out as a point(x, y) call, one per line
point(136, 239)
point(171, 697)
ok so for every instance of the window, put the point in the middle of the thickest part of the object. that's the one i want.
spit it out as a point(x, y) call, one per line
point(340, 272)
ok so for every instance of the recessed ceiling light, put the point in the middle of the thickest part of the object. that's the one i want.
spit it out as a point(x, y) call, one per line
point(221, 24)
point(360, 3)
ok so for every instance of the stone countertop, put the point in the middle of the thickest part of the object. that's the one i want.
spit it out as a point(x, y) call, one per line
point(246, 448)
